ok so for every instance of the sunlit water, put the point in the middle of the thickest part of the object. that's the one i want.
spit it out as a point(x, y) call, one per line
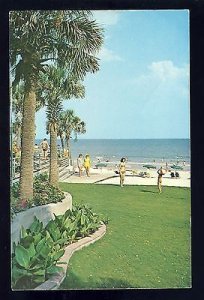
point(136, 151)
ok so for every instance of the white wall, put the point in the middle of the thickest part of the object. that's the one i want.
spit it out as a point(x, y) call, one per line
point(44, 213)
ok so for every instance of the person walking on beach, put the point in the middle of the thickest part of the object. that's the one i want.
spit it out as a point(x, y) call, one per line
point(122, 171)
point(44, 146)
point(160, 173)
point(80, 164)
point(87, 164)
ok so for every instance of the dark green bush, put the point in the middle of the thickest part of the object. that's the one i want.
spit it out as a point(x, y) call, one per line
point(43, 193)
point(15, 190)
point(42, 177)
point(36, 255)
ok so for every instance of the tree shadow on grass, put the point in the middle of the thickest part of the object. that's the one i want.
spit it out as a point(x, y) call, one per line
point(112, 283)
point(148, 191)
point(74, 282)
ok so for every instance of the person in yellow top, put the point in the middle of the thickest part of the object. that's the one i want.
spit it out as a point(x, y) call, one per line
point(87, 164)
point(122, 170)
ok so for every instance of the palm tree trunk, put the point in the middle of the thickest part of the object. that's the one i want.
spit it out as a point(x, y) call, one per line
point(68, 147)
point(27, 144)
point(62, 142)
point(54, 171)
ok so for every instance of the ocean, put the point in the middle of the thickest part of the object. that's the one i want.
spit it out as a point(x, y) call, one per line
point(136, 151)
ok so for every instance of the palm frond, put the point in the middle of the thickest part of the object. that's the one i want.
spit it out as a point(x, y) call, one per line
point(65, 36)
point(54, 108)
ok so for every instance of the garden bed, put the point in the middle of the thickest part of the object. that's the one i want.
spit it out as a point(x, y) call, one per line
point(42, 249)
point(55, 281)
point(44, 213)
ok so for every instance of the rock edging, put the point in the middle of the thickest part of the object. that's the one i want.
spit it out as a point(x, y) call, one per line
point(54, 282)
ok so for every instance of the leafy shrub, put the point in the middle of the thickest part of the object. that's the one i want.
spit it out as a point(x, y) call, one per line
point(36, 255)
point(42, 177)
point(43, 193)
point(105, 219)
point(18, 205)
point(15, 190)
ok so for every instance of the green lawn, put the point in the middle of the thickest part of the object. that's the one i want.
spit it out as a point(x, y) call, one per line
point(147, 243)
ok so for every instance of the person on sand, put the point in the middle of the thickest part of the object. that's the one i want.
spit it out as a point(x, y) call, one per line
point(122, 170)
point(44, 146)
point(160, 173)
point(87, 164)
point(80, 164)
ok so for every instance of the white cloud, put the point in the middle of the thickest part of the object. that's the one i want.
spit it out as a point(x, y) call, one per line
point(106, 17)
point(166, 70)
point(163, 84)
point(163, 73)
point(108, 55)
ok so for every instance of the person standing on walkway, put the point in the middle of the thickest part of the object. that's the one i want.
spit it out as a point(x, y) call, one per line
point(44, 146)
point(122, 170)
point(87, 164)
point(80, 164)
point(160, 173)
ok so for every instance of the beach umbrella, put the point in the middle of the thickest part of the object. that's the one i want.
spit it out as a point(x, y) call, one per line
point(176, 167)
point(149, 166)
point(101, 165)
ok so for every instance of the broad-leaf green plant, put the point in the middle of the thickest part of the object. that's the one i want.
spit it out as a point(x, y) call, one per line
point(36, 256)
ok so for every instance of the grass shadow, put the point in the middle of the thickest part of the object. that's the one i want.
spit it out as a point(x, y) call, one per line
point(74, 282)
point(148, 191)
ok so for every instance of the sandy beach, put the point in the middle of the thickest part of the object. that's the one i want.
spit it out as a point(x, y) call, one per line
point(108, 176)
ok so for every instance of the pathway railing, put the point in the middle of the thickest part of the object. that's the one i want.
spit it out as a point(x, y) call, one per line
point(39, 165)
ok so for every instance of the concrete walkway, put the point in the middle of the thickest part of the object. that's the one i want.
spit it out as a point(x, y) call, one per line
point(105, 176)
point(95, 175)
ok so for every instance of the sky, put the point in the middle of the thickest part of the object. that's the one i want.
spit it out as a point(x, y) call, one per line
point(142, 88)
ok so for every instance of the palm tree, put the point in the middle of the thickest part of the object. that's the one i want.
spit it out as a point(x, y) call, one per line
point(80, 127)
point(68, 38)
point(68, 128)
point(60, 133)
point(71, 124)
point(77, 90)
point(17, 110)
point(57, 89)
point(54, 108)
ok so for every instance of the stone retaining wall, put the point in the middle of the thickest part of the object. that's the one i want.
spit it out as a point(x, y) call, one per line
point(44, 213)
